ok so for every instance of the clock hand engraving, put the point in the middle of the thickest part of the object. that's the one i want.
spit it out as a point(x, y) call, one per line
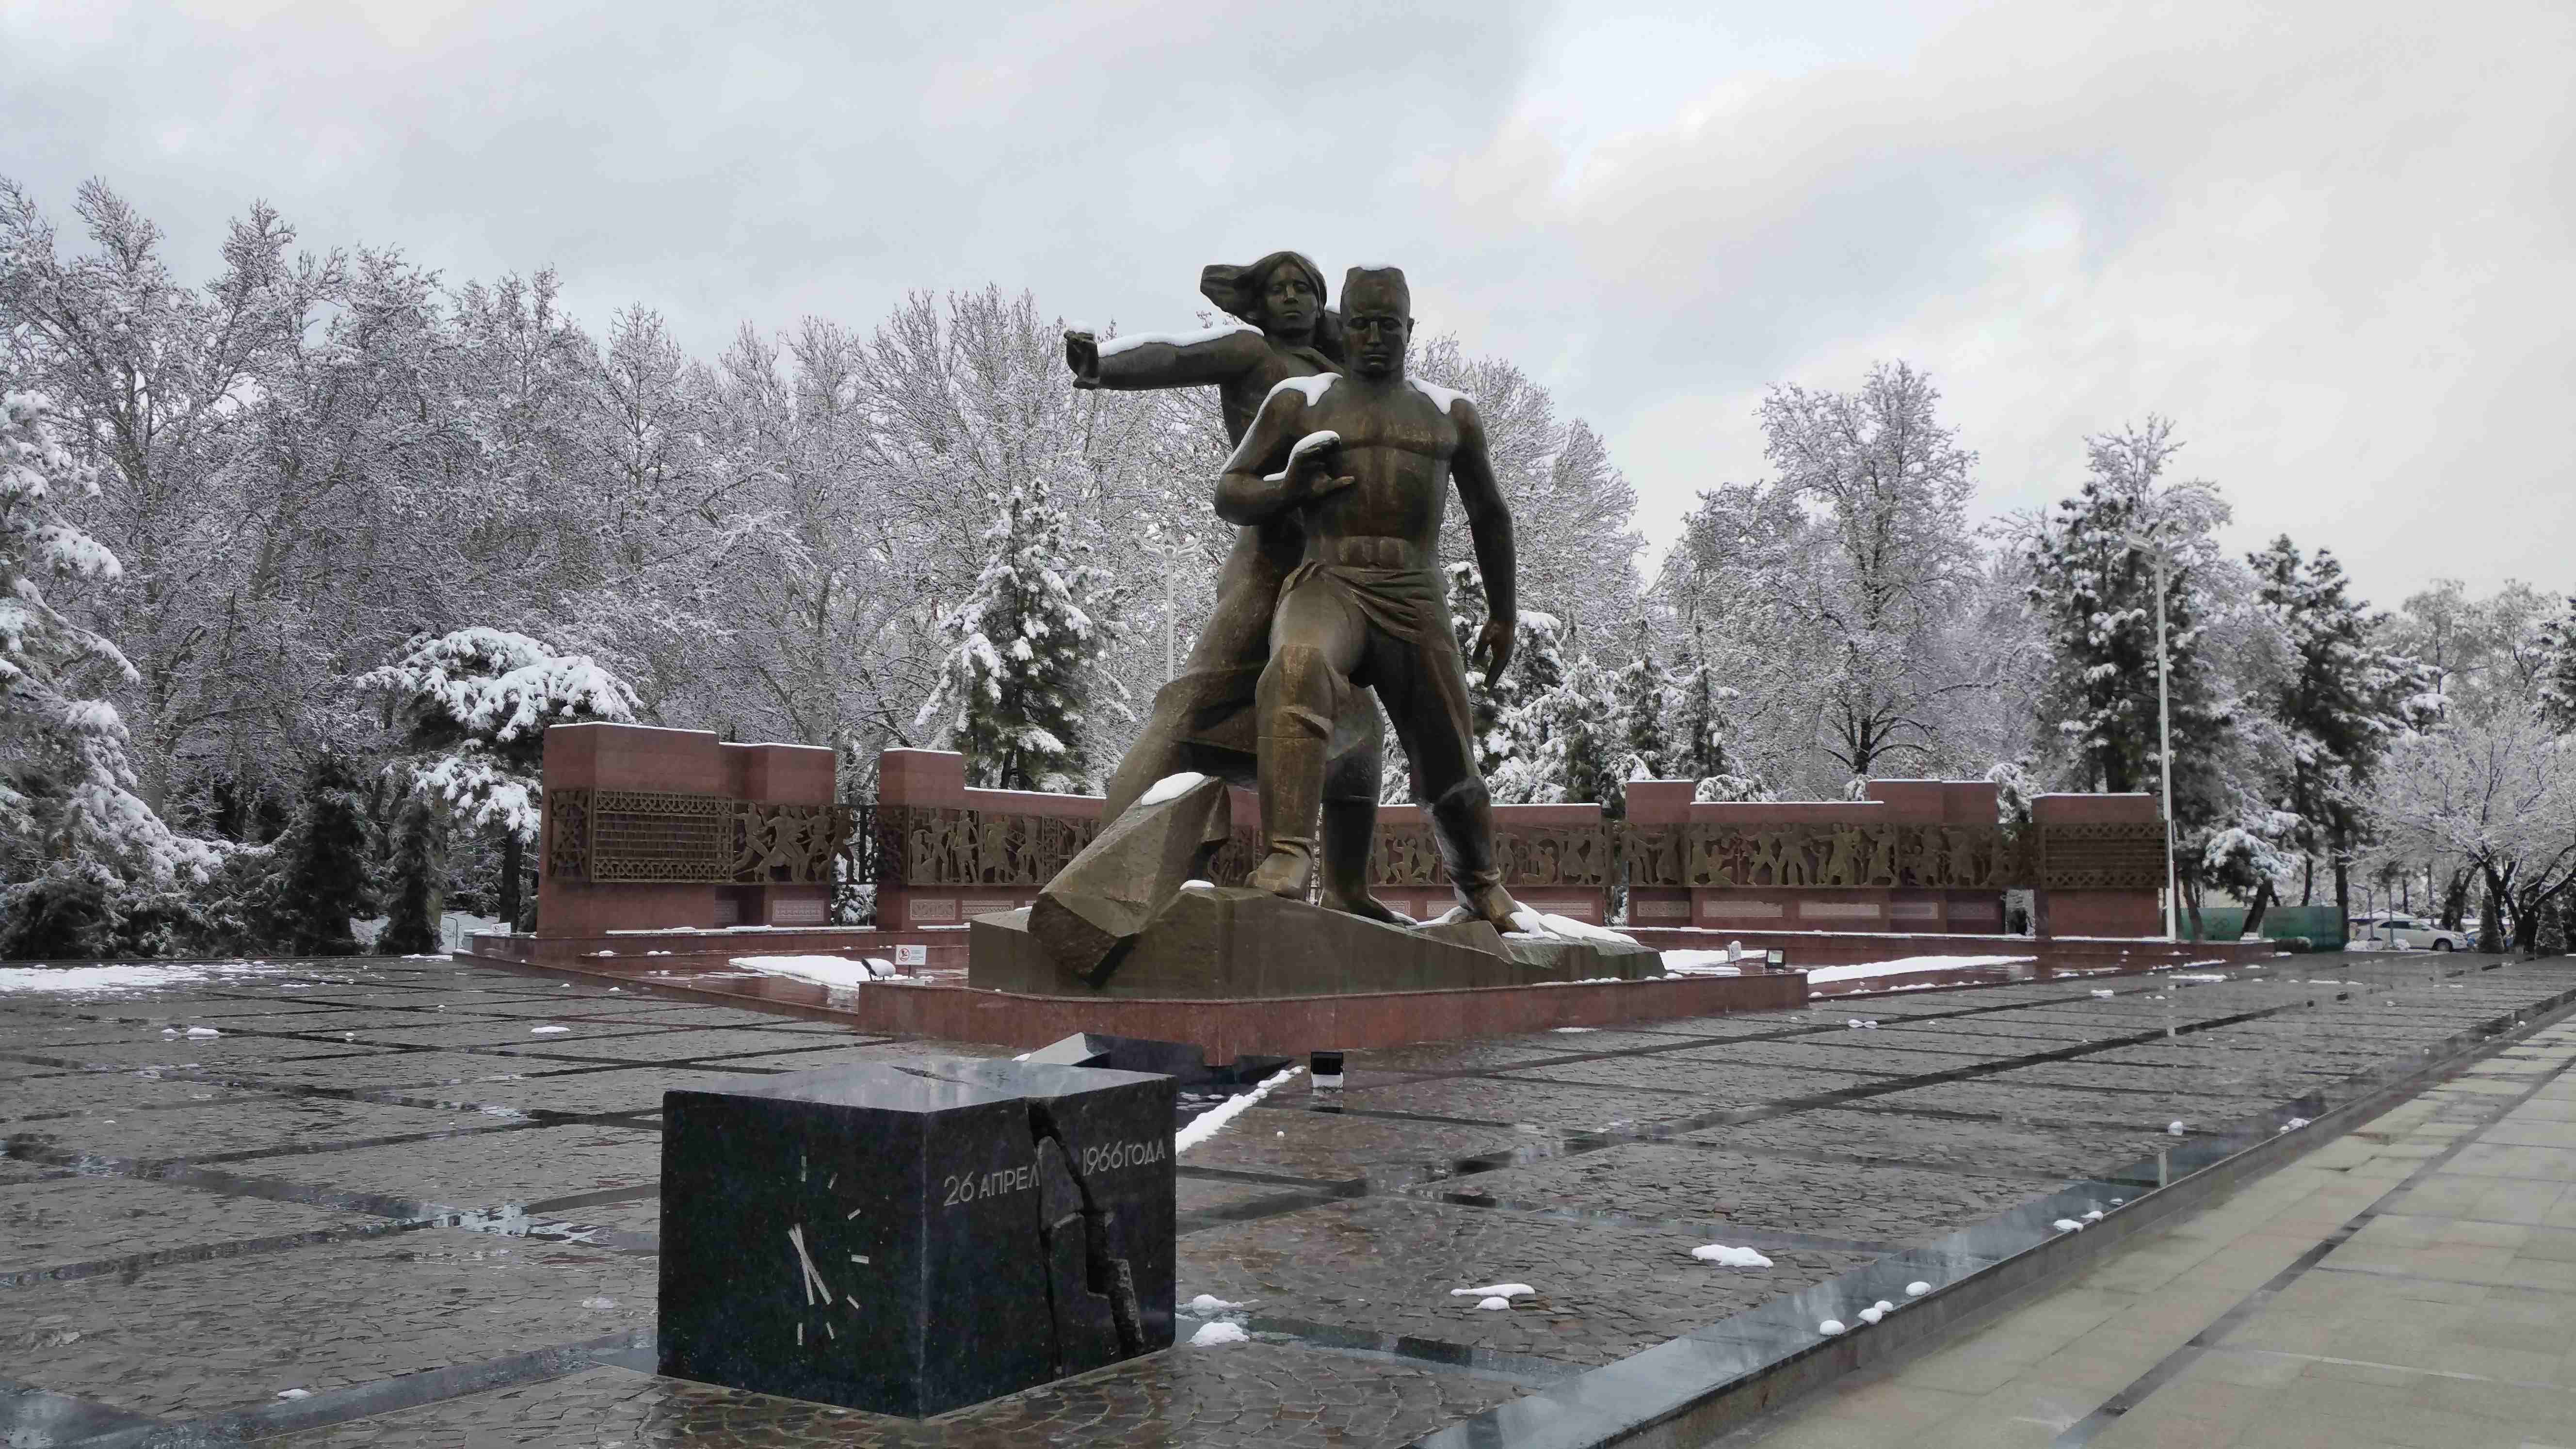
point(813, 1279)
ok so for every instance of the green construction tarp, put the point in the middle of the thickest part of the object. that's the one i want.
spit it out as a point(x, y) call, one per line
point(2323, 926)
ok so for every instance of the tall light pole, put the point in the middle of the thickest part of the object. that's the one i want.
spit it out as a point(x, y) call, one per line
point(2153, 542)
point(2164, 746)
point(1168, 550)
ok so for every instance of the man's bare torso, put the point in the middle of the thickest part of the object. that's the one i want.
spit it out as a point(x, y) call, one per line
point(1396, 445)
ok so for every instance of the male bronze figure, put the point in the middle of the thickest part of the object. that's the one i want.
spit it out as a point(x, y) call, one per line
point(1365, 461)
point(1203, 720)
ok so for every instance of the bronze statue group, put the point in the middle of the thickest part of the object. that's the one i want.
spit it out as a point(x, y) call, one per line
point(1339, 482)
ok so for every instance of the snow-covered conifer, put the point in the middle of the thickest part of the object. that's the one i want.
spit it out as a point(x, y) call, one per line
point(2338, 703)
point(473, 706)
point(326, 873)
point(1564, 744)
point(66, 785)
point(1014, 692)
point(1509, 731)
point(413, 895)
point(1700, 751)
point(2093, 583)
point(1645, 746)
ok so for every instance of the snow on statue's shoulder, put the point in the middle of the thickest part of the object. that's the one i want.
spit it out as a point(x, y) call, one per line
point(1442, 398)
point(1313, 387)
point(1134, 340)
point(1170, 787)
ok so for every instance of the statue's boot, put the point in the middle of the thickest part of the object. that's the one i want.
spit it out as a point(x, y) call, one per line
point(1296, 726)
point(1350, 834)
point(1351, 780)
point(1462, 822)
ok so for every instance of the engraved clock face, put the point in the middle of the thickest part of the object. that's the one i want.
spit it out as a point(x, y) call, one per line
point(820, 1253)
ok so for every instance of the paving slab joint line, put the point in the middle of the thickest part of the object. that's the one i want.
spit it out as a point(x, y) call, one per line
point(1600, 1409)
point(383, 1396)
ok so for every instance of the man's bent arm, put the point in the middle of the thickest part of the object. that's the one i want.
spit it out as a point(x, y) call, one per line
point(1256, 484)
point(1199, 360)
point(1489, 522)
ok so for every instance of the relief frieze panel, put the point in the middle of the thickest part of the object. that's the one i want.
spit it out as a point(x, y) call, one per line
point(1922, 857)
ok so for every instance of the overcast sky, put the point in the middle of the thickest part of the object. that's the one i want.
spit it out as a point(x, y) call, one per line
point(2332, 240)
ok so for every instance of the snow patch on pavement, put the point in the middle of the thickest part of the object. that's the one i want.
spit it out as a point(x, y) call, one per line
point(1907, 965)
point(822, 970)
point(1208, 1123)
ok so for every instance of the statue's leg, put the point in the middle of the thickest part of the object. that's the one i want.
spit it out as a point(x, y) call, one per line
point(1350, 811)
point(1315, 641)
point(1428, 705)
point(1158, 752)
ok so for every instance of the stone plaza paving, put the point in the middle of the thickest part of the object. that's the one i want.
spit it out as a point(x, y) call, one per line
point(415, 1202)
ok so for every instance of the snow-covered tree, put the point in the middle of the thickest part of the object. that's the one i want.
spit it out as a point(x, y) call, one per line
point(2093, 584)
point(2498, 793)
point(1022, 666)
point(1639, 705)
point(1699, 748)
point(471, 708)
point(1877, 583)
point(416, 887)
point(326, 869)
point(66, 784)
point(1565, 744)
point(2557, 647)
point(2339, 702)
point(1510, 731)
point(1573, 511)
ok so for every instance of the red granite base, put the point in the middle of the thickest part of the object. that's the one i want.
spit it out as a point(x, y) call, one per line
point(1286, 1026)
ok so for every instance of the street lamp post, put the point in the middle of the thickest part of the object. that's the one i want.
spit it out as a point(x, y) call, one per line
point(2164, 746)
point(2152, 540)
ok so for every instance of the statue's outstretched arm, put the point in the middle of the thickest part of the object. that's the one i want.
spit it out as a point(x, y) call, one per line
point(1148, 360)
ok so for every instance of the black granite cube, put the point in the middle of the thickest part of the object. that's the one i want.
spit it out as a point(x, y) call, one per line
point(911, 1239)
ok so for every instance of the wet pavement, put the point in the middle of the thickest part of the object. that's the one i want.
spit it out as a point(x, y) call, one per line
point(384, 1206)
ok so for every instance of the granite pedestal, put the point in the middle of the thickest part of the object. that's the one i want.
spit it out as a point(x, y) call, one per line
point(911, 1239)
point(1223, 942)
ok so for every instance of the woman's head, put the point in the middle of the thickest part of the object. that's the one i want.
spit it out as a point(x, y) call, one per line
point(1282, 294)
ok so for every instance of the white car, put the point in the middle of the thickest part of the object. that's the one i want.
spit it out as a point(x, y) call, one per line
point(2395, 931)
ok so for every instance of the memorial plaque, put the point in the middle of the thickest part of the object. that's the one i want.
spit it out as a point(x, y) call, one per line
point(912, 1239)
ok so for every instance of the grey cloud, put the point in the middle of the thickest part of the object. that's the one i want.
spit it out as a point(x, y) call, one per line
point(2331, 240)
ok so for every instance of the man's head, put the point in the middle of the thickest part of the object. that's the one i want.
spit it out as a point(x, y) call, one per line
point(1282, 294)
point(1377, 320)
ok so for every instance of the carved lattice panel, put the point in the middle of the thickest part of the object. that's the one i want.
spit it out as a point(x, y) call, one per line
point(568, 834)
point(650, 835)
point(2109, 856)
